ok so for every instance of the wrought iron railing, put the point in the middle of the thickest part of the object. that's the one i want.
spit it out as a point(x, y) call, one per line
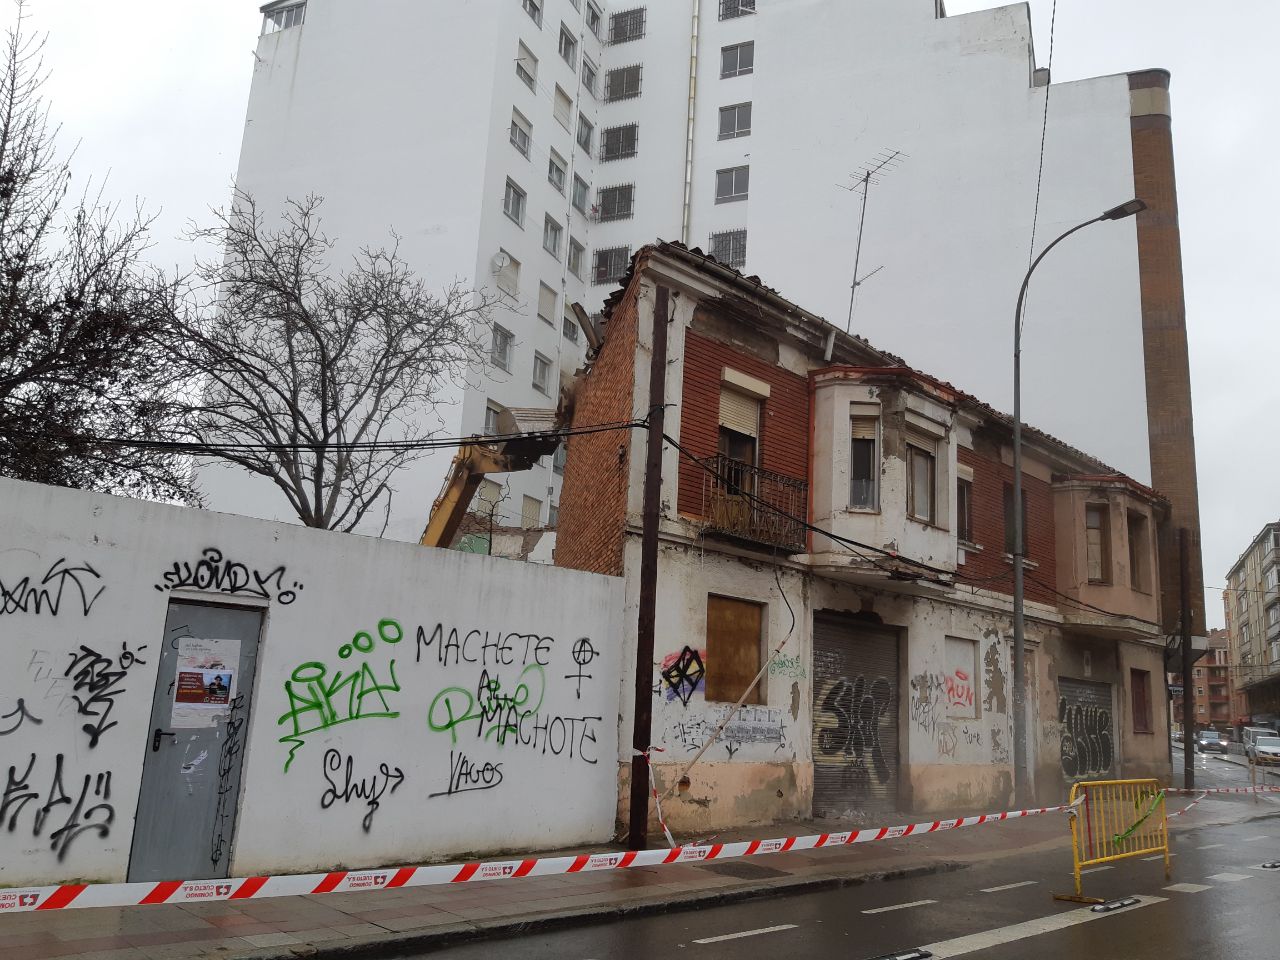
point(744, 501)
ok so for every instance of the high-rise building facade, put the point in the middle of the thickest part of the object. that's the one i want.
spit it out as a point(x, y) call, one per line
point(894, 163)
point(1252, 608)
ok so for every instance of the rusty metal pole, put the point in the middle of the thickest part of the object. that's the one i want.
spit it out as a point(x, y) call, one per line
point(1188, 691)
point(641, 731)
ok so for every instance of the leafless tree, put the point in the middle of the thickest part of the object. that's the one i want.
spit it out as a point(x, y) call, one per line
point(79, 312)
point(319, 380)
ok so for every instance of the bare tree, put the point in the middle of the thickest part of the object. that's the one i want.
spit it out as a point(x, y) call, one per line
point(78, 314)
point(309, 376)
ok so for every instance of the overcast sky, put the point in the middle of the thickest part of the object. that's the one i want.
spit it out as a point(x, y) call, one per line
point(154, 93)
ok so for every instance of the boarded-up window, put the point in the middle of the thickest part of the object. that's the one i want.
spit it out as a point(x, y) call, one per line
point(1097, 542)
point(1140, 682)
point(734, 641)
point(960, 680)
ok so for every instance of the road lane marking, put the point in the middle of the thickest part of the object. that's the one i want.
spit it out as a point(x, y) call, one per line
point(901, 906)
point(1230, 877)
point(960, 946)
point(1188, 887)
point(1210, 846)
point(747, 933)
point(1010, 886)
point(1158, 856)
point(1265, 836)
point(1094, 870)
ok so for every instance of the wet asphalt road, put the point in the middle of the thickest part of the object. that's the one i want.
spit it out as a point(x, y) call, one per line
point(1220, 903)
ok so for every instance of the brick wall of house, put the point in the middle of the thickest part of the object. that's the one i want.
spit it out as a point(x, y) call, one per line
point(989, 568)
point(784, 429)
point(593, 499)
point(1164, 339)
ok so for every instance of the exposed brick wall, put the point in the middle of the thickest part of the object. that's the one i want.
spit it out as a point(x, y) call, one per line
point(593, 500)
point(1164, 337)
point(784, 429)
point(989, 567)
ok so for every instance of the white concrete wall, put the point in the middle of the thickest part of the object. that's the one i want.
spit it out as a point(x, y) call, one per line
point(89, 570)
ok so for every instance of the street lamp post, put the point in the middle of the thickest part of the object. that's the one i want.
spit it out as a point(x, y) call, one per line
point(1021, 780)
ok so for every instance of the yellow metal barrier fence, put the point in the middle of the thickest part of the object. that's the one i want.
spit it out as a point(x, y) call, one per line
point(1116, 820)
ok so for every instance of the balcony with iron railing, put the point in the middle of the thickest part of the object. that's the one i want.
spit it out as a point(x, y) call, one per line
point(748, 503)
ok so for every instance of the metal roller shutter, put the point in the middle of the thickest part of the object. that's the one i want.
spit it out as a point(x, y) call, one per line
point(1087, 732)
point(739, 412)
point(855, 709)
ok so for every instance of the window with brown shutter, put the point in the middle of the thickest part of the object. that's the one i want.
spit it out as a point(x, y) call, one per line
point(734, 647)
point(1140, 684)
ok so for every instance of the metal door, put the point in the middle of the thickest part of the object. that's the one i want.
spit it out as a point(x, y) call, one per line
point(1087, 733)
point(855, 718)
point(195, 743)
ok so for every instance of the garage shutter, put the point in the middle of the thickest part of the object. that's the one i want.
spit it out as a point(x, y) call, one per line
point(1087, 744)
point(739, 412)
point(855, 728)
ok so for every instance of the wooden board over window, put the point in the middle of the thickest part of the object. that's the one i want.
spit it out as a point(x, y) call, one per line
point(734, 642)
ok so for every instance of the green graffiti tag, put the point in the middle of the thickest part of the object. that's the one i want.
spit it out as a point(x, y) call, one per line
point(319, 700)
point(497, 713)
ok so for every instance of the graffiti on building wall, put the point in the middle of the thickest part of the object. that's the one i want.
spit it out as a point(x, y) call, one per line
point(320, 699)
point(345, 786)
point(63, 815)
point(75, 587)
point(1086, 747)
point(761, 725)
point(96, 683)
point(928, 693)
point(959, 689)
point(683, 674)
point(849, 717)
point(16, 717)
point(214, 571)
point(791, 668)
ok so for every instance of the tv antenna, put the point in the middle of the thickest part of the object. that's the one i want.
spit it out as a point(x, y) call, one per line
point(873, 172)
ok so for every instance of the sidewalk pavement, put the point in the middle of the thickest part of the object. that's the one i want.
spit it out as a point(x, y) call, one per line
point(395, 922)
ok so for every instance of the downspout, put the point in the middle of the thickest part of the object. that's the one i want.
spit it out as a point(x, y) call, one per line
point(690, 113)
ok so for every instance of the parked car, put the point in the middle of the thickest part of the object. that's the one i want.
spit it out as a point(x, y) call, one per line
point(1266, 751)
point(1210, 741)
point(1251, 735)
point(1177, 736)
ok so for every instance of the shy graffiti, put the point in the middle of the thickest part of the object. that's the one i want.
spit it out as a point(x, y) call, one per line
point(683, 673)
point(66, 814)
point(96, 683)
point(344, 785)
point(76, 587)
point(1086, 748)
point(215, 572)
point(320, 699)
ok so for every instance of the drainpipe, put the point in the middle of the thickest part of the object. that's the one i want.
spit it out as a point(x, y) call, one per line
point(688, 143)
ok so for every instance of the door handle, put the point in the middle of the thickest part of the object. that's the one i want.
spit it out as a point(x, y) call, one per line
point(155, 739)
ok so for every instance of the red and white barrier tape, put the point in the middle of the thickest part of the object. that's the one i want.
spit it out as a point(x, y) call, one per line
point(1178, 813)
point(653, 791)
point(1208, 790)
point(74, 895)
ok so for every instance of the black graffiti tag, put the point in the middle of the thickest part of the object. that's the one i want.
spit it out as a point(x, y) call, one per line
point(858, 707)
point(99, 678)
point(684, 676)
point(1086, 739)
point(583, 653)
point(22, 713)
point(18, 792)
point(46, 595)
point(228, 762)
point(214, 572)
point(369, 789)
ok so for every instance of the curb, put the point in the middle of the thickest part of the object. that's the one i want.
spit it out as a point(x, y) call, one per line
point(381, 946)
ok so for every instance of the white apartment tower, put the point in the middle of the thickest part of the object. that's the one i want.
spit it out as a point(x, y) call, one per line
point(530, 146)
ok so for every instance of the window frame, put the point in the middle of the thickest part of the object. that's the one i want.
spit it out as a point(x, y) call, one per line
point(521, 126)
point(577, 251)
point(534, 9)
point(1140, 700)
point(580, 199)
point(617, 271)
point(737, 49)
point(514, 190)
point(630, 18)
point(1102, 510)
point(569, 329)
point(552, 231)
point(543, 361)
point(590, 83)
point(731, 237)
point(595, 18)
point(623, 153)
point(555, 300)
point(501, 347)
point(590, 128)
point(874, 465)
point(916, 450)
point(567, 47)
point(964, 510)
point(738, 131)
point(623, 83)
point(529, 77)
point(562, 107)
point(732, 9)
point(734, 196)
point(284, 17)
point(614, 209)
point(560, 164)
point(492, 410)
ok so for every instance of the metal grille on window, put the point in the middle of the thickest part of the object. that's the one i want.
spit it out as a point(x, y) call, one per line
point(623, 83)
point(611, 264)
point(617, 203)
point(736, 8)
point(284, 17)
point(855, 718)
point(627, 25)
point(730, 248)
point(618, 143)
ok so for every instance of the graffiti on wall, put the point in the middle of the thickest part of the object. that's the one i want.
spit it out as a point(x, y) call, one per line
point(214, 571)
point(683, 674)
point(320, 699)
point(96, 682)
point(63, 816)
point(849, 718)
point(959, 689)
point(228, 764)
point(344, 785)
point(16, 717)
point(1086, 748)
point(78, 587)
point(928, 693)
point(750, 724)
point(791, 668)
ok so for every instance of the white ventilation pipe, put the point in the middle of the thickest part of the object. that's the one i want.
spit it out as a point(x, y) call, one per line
point(685, 225)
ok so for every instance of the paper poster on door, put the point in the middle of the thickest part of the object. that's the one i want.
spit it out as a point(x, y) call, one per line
point(204, 681)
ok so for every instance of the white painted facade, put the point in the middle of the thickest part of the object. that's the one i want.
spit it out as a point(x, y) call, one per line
point(90, 573)
point(398, 112)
